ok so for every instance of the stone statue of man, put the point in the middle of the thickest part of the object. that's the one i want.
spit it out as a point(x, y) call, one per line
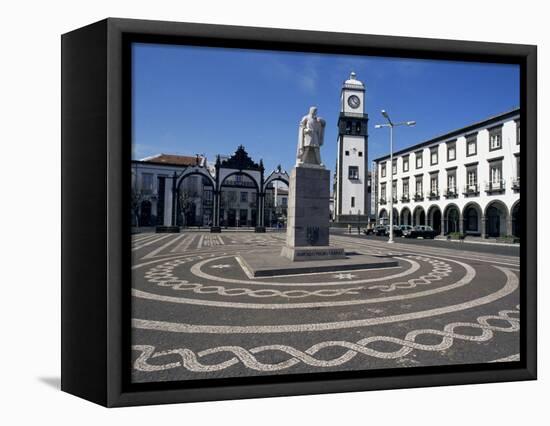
point(310, 139)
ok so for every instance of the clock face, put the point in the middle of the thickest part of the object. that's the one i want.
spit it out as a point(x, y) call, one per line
point(354, 101)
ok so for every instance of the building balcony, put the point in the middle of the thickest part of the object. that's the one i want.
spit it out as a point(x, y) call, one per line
point(471, 190)
point(418, 196)
point(433, 195)
point(451, 193)
point(515, 184)
point(382, 201)
point(495, 187)
point(394, 200)
point(405, 198)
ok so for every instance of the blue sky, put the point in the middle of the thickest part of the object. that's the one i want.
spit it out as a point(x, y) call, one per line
point(189, 100)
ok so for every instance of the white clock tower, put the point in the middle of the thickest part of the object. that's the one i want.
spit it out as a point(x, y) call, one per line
point(351, 183)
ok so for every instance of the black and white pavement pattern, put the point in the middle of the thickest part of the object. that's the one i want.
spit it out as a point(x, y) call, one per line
point(197, 315)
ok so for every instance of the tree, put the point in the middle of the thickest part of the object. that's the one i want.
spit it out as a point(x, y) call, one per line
point(185, 198)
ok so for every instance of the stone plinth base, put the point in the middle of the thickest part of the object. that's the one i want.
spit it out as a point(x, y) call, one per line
point(297, 254)
point(215, 229)
point(260, 229)
point(269, 263)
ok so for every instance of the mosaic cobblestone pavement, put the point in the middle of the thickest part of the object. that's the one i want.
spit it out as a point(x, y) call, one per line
point(196, 314)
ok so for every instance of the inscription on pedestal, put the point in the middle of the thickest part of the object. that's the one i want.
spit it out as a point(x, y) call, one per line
point(298, 254)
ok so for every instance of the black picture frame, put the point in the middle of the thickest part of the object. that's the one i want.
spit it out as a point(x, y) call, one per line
point(96, 89)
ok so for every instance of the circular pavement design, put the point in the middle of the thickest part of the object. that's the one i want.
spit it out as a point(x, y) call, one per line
point(196, 314)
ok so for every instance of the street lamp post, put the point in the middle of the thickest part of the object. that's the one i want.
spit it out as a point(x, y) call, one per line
point(391, 125)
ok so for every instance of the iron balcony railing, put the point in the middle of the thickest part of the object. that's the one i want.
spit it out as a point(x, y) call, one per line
point(515, 184)
point(495, 186)
point(405, 198)
point(471, 189)
point(382, 201)
point(418, 196)
point(433, 194)
point(451, 192)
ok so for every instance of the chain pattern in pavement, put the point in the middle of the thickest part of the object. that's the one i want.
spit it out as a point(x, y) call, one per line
point(190, 359)
point(440, 269)
point(163, 276)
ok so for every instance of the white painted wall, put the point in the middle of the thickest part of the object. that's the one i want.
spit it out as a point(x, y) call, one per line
point(509, 171)
point(353, 188)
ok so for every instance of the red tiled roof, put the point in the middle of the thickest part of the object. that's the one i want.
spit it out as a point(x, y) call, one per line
point(177, 160)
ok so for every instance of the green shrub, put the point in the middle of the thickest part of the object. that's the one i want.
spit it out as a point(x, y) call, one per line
point(456, 235)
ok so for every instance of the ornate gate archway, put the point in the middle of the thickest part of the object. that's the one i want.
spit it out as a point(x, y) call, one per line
point(234, 208)
point(240, 164)
point(277, 175)
point(185, 204)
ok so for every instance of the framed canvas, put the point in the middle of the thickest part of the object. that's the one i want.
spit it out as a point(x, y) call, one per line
point(254, 212)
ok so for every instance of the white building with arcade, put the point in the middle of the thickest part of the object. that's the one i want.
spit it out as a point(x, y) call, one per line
point(464, 181)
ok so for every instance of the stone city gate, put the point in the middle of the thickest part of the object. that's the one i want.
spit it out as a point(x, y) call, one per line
point(238, 165)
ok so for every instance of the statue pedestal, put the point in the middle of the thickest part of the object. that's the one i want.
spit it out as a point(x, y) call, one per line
point(307, 235)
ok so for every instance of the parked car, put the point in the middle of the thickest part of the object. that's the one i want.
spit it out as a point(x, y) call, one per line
point(423, 231)
point(379, 230)
point(396, 231)
point(404, 230)
point(368, 230)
